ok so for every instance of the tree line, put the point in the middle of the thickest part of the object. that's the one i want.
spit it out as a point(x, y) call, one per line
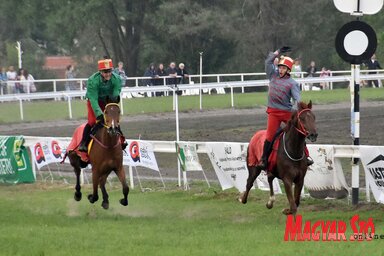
point(233, 35)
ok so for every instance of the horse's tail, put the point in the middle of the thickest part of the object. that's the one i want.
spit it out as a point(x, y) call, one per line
point(246, 158)
point(64, 157)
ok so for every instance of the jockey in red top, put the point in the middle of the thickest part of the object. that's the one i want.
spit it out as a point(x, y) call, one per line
point(282, 88)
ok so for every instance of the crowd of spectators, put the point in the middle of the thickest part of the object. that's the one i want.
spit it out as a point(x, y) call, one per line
point(14, 82)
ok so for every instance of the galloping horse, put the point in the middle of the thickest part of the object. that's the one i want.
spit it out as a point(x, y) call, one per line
point(105, 155)
point(291, 162)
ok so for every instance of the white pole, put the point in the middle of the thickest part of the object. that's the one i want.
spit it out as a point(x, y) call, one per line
point(176, 105)
point(131, 177)
point(21, 110)
point(19, 52)
point(69, 107)
point(201, 80)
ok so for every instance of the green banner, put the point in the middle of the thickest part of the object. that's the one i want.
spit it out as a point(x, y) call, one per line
point(15, 166)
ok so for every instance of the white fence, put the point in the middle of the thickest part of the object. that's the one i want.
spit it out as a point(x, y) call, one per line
point(339, 151)
point(187, 89)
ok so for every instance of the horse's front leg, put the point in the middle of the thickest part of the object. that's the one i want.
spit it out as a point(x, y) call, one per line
point(105, 203)
point(95, 182)
point(298, 188)
point(253, 172)
point(121, 175)
point(271, 192)
point(288, 190)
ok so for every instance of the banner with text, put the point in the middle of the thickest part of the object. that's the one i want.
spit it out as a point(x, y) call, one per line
point(15, 166)
point(373, 162)
point(46, 151)
point(140, 153)
point(187, 155)
point(325, 178)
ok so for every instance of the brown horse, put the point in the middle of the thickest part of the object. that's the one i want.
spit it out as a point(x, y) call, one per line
point(105, 155)
point(291, 163)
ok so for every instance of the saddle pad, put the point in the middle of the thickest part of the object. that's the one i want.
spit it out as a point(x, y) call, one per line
point(255, 150)
point(75, 141)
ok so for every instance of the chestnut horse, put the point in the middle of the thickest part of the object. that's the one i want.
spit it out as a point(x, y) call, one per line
point(291, 162)
point(105, 155)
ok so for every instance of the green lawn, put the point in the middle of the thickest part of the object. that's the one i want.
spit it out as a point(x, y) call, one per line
point(58, 110)
point(40, 219)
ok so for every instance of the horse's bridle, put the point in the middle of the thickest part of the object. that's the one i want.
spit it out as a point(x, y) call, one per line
point(301, 128)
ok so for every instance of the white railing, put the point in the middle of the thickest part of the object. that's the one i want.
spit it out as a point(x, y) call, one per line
point(198, 89)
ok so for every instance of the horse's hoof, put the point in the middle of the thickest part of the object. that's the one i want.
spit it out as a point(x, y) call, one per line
point(105, 205)
point(124, 202)
point(269, 205)
point(242, 201)
point(77, 196)
point(92, 199)
point(287, 211)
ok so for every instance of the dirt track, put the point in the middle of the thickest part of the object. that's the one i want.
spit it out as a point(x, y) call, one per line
point(333, 123)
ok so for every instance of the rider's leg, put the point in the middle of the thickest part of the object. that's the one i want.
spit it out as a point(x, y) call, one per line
point(306, 152)
point(124, 144)
point(266, 152)
point(86, 138)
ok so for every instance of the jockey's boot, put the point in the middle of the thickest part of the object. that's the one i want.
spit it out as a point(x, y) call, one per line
point(309, 161)
point(264, 158)
point(83, 147)
point(124, 144)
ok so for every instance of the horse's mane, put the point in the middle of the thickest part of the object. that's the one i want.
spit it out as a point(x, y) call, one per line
point(300, 106)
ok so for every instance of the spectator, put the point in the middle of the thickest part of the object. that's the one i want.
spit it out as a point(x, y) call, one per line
point(150, 72)
point(121, 72)
point(26, 82)
point(70, 74)
point(181, 71)
point(311, 71)
point(172, 72)
point(324, 73)
point(18, 86)
point(3, 80)
point(160, 81)
point(373, 64)
point(296, 69)
point(12, 76)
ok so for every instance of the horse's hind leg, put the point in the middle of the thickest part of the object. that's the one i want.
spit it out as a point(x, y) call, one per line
point(253, 172)
point(75, 162)
point(95, 183)
point(289, 192)
point(271, 192)
point(105, 203)
point(121, 175)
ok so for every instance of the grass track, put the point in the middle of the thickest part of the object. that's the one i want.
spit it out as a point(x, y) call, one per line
point(40, 219)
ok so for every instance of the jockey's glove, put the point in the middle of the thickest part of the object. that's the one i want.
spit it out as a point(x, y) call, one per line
point(285, 49)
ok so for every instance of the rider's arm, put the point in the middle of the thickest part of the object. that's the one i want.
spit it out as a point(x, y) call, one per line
point(269, 66)
point(93, 96)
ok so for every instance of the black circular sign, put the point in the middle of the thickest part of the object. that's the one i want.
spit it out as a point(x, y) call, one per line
point(355, 42)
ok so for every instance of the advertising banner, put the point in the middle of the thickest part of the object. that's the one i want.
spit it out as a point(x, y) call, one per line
point(325, 178)
point(187, 155)
point(140, 153)
point(15, 166)
point(373, 162)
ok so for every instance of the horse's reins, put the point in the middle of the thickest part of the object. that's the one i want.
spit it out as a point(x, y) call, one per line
point(106, 126)
point(301, 130)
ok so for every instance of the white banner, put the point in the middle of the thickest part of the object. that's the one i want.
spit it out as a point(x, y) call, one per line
point(140, 153)
point(228, 161)
point(187, 155)
point(48, 151)
point(325, 178)
point(373, 162)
